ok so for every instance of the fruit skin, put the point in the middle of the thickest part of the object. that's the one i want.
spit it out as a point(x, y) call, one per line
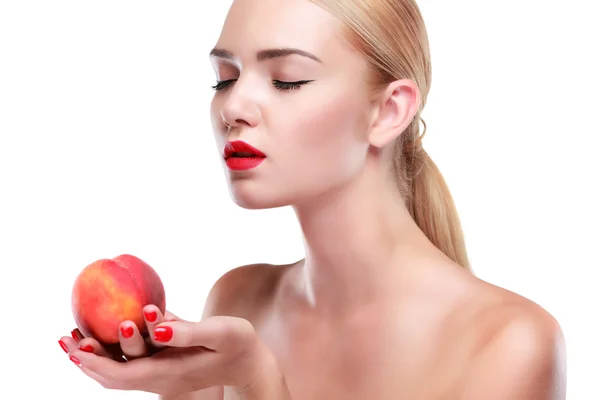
point(110, 291)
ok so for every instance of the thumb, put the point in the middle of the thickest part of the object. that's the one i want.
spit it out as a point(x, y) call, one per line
point(214, 333)
point(169, 316)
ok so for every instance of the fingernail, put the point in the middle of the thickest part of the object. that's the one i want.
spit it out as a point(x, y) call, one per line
point(151, 316)
point(87, 348)
point(75, 360)
point(127, 332)
point(64, 346)
point(163, 333)
point(74, 335)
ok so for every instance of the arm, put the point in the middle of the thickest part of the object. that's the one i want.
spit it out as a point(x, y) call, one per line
point(213, 393)
point(269, 383)
point(210, 308)
point(525, 360)
point(237, 293)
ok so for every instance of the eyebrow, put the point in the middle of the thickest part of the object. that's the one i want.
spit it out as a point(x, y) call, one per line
point(266, 54)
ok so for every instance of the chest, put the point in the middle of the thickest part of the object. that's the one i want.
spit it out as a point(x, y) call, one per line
point(362, 361)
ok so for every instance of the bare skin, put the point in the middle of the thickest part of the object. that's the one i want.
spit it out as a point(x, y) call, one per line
point(374, 310)
point(427, 340)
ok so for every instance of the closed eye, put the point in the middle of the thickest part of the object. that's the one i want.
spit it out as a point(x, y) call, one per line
point(279, 85)
point(223, 84)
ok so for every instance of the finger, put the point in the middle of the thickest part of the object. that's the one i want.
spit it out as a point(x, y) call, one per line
point(153, 317)
point(77, 335)
point(214, 333)
point(91, 345)
point(88, 345)
point(109, 373)
point(131, 341)
point(140, 374)
point(169, 316)
point(68, 344)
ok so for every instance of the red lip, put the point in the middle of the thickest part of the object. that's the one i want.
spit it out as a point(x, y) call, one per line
point(240, 155)
point(239, 146)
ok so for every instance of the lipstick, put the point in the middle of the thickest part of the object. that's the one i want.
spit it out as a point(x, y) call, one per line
point(240, 156)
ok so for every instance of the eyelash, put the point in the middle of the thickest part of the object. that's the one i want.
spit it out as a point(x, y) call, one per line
point(279, 85)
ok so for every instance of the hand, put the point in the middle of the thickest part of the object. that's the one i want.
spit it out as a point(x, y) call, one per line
point(219, 351)
point(131, 343)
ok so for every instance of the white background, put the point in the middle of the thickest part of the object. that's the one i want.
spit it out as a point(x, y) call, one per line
point(106, 148)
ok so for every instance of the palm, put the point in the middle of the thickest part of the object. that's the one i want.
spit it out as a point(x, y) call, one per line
point(178, 357)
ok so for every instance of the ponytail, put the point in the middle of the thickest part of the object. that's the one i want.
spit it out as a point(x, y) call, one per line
point(391, 35)
point(427, 196)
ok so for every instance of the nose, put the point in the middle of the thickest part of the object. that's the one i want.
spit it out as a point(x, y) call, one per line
point(239, 110)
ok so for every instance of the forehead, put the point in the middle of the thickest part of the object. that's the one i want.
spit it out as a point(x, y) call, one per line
point(253, 25)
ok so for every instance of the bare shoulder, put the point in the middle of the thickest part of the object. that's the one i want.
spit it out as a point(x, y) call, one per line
point(521, 354)
point(243, 291)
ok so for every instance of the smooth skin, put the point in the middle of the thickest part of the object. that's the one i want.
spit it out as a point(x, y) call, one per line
point(190, 357)
point(374, 310)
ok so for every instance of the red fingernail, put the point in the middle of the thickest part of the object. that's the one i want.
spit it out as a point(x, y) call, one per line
point(75, 360)
point(151, 316)
point(74, 335)
point(64, 346)
point(127, 332)
point(87, 348)
point(163, 333)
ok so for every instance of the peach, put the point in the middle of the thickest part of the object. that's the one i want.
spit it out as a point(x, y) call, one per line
point(110, 291)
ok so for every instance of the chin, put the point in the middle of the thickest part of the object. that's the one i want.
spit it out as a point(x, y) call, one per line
point(256, 199)
point(254, 195)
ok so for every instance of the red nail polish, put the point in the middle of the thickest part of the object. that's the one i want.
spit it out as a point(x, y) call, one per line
point(75, 360)
point(87, 348)
point(127, 332)
point(64, 346)
point(163, 333)
point(151, 316)
point(74, 335)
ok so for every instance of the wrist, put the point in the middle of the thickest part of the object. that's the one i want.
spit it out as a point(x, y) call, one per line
point(267, 382)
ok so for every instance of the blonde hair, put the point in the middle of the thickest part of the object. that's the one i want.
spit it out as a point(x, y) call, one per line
point(391, 35)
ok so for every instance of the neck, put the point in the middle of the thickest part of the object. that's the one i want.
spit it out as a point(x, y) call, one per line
point(358, 238)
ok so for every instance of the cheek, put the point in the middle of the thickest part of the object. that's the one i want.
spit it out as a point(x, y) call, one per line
point(331, 133)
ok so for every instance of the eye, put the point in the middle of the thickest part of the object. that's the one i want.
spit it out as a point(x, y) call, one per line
point(279, 85)
point(223, 84)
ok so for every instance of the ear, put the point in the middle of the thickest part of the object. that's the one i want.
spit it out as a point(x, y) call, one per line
point(397, 107)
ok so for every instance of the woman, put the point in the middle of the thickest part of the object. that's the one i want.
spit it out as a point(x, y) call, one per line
point(318, 106)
